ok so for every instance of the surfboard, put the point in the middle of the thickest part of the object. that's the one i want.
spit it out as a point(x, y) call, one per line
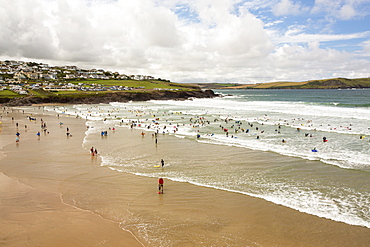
point(160, 192)
point(157, 166)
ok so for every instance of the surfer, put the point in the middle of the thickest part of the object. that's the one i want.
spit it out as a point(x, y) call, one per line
point(162, 162)
point(160, 185)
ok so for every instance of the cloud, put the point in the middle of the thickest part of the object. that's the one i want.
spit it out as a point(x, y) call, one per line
point(21, 32)
point(181, 40)
point(347, 12)
point(287, 7)
point(342, 9)
point(301, 62)
point(366, 47)
point(298, 37)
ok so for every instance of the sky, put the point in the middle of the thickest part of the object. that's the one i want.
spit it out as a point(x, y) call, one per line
point(234, 41)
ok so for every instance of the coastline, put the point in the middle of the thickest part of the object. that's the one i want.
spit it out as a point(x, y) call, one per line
point(215, 213)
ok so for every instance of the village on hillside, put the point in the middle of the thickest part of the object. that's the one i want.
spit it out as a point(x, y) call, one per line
point(20, 76)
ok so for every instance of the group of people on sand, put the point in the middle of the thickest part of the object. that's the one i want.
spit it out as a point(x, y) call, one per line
point(43, 127)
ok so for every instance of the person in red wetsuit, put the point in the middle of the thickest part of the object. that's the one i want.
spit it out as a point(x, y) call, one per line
point(160, 185)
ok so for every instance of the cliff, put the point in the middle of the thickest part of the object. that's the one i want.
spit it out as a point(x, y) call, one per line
point(108, 97)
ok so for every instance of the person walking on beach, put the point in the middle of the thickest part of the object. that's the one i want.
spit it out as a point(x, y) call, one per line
point(162, 162)
point(160, 185)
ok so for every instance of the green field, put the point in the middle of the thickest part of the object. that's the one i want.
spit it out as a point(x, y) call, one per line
point(8, 93)
point(146, 84)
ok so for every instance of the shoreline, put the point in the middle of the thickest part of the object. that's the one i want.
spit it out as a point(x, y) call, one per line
point(214, 212)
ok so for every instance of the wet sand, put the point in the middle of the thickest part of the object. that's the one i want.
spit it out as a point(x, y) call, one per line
point(54, 193)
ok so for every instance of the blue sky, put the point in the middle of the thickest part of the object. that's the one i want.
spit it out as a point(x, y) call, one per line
point(194, 40)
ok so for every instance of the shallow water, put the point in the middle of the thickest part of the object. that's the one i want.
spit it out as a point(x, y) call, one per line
point(332, 183)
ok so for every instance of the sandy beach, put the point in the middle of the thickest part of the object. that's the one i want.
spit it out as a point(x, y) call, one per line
point(32, 211)
point(54, 193)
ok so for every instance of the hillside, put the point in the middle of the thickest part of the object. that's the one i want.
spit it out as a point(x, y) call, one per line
point(334, 83)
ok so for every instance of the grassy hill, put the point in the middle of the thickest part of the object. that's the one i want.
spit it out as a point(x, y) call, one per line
point(101, 86)
point(334, 83)
point(101, 91)
point(147, 84)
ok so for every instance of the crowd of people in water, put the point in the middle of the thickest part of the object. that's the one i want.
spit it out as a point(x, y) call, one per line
point(228, 127)
point(148, 120)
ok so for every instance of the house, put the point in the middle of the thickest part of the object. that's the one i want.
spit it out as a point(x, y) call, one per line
point(48, 76)
point(33, 76)
point(70, 76)
point(70, 67)
point(20, 76)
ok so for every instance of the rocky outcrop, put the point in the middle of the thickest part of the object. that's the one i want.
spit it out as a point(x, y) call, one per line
point(331, 83)
point(109, 97)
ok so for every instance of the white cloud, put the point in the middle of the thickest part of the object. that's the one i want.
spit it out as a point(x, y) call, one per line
point(273, 23)
point(260, 4)
point(304, 38)
point(366, 47)
point(347, 12)
point(21, 32)
point(302, 62)
point(181, 40)
point(341, 9)
point(287, 7)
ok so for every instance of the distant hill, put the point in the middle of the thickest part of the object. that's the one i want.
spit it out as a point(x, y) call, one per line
point(334, 83)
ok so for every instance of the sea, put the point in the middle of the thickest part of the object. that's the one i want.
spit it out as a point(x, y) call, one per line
point(322, 137)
